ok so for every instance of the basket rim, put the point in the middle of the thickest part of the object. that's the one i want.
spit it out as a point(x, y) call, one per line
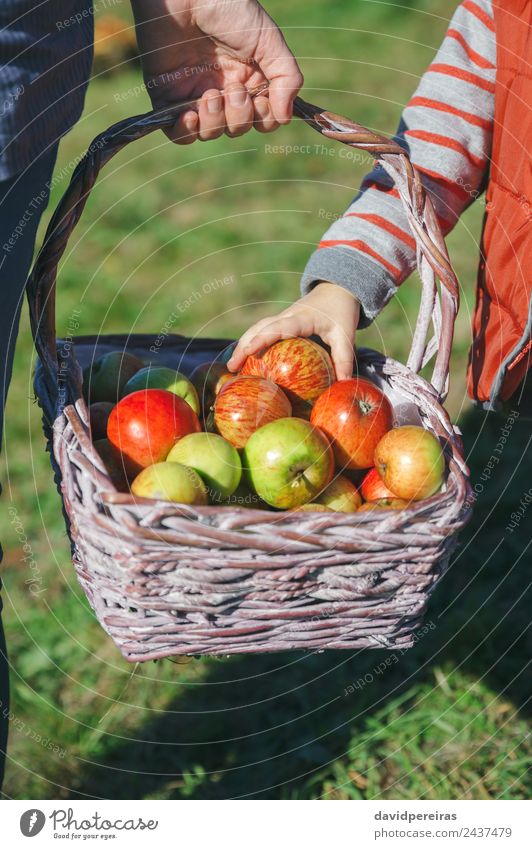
point(75, 413)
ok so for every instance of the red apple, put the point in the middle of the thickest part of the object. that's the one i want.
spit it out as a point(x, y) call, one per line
point(245, 404)
point(288, 462)
point(299, 366)
point(384, 504)
point(373, 487)
point(98, 416)
point(355, 415)
point(145, 425)
point(410, 461)
point(207, 379)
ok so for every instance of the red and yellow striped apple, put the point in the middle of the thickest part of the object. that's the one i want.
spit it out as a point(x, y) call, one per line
point(245, 404)
point(299, 366)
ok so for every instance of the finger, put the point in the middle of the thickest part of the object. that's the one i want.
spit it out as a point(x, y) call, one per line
point(285, 81)
point(342, 353)
point(211, 115)
point(185, 129)
point(238, 110)
point(264, 122)
point(257, 338)
point(240, 352)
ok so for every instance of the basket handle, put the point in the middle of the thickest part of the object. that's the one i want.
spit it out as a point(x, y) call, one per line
point(437, 305)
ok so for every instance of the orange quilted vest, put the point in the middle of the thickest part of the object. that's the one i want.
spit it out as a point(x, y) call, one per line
point(501, 352)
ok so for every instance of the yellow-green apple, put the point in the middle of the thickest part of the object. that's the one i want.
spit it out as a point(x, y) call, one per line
point(410, 461)
point(104, 379)
point(145, 425)
point(98, 416)
point(170, 482)
point(384, 504)
point(299, 366)
point(341, 495)
point(355, 415)
point(373, 487)
point(161, 377)
point(113, 464)
point(245, 404)
point(208, 379)
point(214, 459)
point(288, 462)
point(312, 507)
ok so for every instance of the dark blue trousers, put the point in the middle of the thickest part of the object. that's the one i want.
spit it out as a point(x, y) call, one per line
point(22, 201)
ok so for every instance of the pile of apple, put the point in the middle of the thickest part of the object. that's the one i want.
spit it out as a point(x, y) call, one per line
point(283, 433)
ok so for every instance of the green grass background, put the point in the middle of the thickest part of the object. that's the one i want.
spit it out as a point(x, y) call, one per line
point(447, 719)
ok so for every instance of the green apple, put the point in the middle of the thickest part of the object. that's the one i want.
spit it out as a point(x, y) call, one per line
point(341, 495)
point(161, 377)
point(288, 462)
point(213, 458)
point(170, 482)
point(104, 379)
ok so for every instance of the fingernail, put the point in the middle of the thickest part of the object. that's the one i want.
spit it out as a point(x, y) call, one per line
point(214, 104)
point(238, 96)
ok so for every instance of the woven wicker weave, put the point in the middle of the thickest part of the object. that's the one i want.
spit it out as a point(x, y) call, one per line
point(165, 579)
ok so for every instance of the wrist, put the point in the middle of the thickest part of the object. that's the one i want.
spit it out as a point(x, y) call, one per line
point(325, 287)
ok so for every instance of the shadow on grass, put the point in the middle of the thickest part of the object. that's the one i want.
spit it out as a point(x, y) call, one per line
point(260, 726)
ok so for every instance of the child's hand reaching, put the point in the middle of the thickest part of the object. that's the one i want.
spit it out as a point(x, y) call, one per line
point(328, 310)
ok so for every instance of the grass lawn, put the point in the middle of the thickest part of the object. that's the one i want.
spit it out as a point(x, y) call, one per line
point(447, 719)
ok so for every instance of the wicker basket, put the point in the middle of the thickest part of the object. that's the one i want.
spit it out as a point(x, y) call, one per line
point(165, 579)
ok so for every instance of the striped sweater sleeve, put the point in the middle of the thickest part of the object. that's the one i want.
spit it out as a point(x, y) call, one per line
point(447, 129)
